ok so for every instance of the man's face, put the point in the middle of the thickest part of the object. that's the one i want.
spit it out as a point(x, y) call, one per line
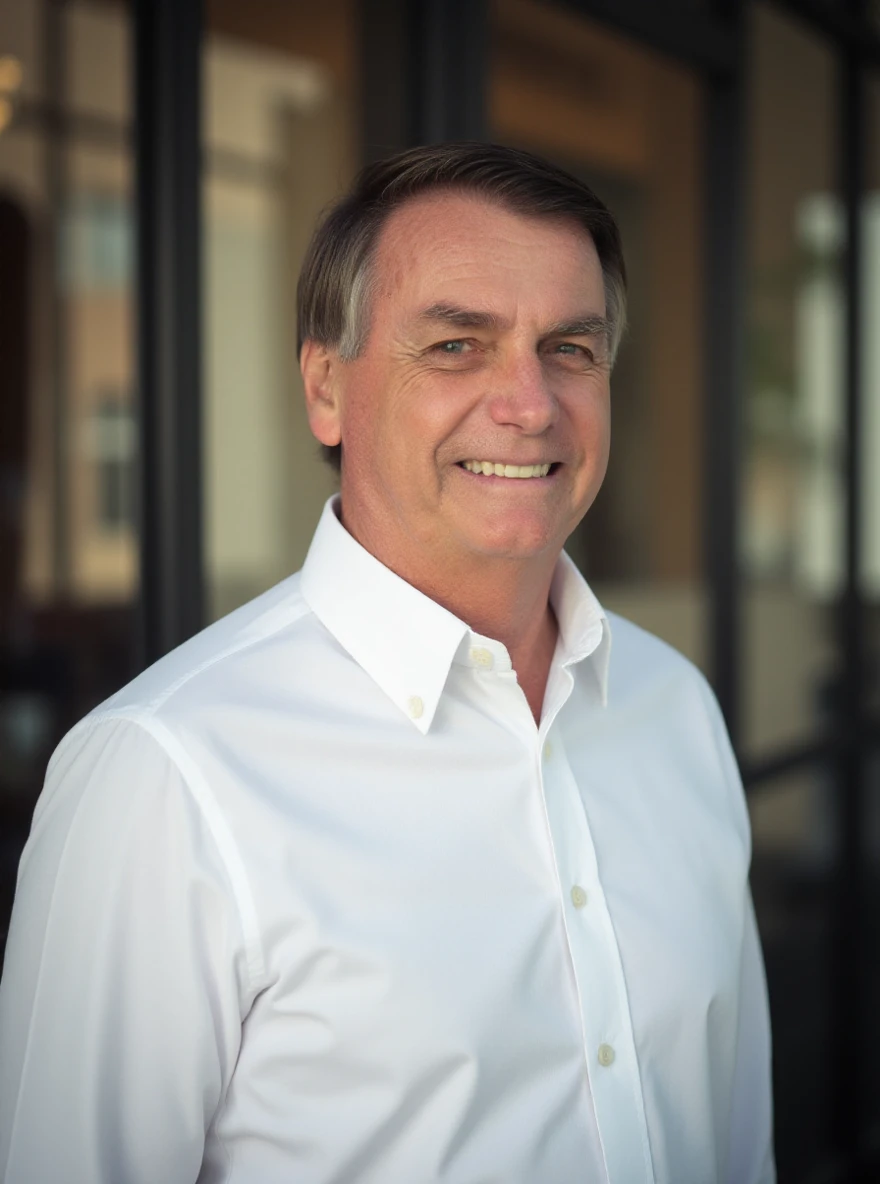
point(486, 348)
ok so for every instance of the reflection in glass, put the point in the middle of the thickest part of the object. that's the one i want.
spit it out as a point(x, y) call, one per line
point(870, 392)
point(792, 518)
point(68, 444)
point(870, 943)
point(792, 884)
point(870, 584)
point(279, 110)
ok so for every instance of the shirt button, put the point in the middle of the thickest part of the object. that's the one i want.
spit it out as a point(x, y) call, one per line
point(481, 657)
point(606, 1055)
point(578, 897)
point(415, 707)
point(548, 750)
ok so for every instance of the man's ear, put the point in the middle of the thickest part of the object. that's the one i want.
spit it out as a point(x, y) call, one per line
point(320, 372)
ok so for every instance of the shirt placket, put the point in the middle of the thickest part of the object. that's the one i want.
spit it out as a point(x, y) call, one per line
point(609, 1044)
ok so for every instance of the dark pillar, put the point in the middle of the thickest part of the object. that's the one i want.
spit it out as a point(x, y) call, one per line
point(724, 374)
point(847, 964)
point(167, 40)
point(425, 72)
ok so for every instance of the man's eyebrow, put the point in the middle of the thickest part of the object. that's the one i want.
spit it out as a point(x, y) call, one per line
point(461, 318)
point(592, 325)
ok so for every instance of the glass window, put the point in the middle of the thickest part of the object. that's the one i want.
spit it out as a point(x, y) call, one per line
point(870, 408)
point(793, 856)
point(67, 440)
point(628, 122)
point(280, 88)
point(870, 402)
point(792, 517)
point(870, 938)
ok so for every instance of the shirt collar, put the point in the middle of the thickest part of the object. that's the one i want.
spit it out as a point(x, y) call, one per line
point(584, 628)
point(405, 641)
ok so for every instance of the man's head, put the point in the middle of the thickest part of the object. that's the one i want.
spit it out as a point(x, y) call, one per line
point(463, 305)
point(334, 290)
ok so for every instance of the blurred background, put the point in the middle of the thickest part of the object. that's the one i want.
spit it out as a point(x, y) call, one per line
point(161, 168)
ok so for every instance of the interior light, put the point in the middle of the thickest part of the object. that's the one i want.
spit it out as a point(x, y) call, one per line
point(11, 73)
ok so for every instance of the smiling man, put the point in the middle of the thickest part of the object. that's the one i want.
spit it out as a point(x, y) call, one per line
point(421, 867)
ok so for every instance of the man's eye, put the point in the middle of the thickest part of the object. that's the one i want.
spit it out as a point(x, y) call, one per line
point(571, 350)
point(451, 347)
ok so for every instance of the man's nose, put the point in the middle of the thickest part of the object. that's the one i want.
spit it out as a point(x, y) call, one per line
point(524, 398)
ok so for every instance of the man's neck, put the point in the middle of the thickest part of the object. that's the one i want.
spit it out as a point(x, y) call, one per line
point(516, 613)
point(505, 601)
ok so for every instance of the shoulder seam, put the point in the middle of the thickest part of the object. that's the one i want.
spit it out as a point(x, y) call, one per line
point(163, 696)
point(215, 820)
point(149, 706)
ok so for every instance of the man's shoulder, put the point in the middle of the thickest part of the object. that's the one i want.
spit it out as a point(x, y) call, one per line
point(641, 661)
point(200, 668)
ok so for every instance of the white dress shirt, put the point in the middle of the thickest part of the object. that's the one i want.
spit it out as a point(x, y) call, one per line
point(315, 900)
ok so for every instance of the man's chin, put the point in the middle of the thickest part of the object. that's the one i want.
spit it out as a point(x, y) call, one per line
point(514, 545)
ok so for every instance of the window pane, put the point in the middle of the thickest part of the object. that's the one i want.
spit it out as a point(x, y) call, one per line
point(870, 407)
point(279, 114)
point(870, 402)
point(870, 937)
point(629, 123)
point(792, 518)
point(68, 438)
point(794, 850)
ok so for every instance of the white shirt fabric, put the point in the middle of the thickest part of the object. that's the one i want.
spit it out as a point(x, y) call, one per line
point(313, 899)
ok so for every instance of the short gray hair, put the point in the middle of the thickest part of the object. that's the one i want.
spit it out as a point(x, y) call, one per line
point(334, 289)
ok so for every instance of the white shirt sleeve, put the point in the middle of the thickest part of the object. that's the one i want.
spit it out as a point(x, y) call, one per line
point(121, 999)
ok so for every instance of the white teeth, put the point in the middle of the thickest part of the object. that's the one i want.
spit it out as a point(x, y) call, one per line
point(489, 468)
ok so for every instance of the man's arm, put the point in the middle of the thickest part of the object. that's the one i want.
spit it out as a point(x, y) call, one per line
point(120, 1010)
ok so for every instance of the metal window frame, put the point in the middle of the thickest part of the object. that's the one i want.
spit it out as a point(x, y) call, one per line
point(168, 153)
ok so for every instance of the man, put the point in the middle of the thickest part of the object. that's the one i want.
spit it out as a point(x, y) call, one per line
point(406, 872)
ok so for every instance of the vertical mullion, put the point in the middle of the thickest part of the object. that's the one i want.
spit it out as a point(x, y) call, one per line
point(57, 187)
point(449, 74)
point(425, 72)
point(724, 374)
point(168, 155)
point(847, 1003)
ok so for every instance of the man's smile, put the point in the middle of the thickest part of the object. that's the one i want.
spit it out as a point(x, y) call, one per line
point(488, 468)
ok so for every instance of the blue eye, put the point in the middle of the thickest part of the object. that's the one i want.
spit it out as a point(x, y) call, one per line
point(451, 347)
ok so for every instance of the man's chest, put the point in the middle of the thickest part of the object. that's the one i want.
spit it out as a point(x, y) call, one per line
point(482, 921)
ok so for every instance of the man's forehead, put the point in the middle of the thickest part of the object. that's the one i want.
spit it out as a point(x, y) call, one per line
point(463, 211)
point(465, 249)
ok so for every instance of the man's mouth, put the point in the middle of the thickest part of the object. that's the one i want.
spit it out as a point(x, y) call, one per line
point(489, 468)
